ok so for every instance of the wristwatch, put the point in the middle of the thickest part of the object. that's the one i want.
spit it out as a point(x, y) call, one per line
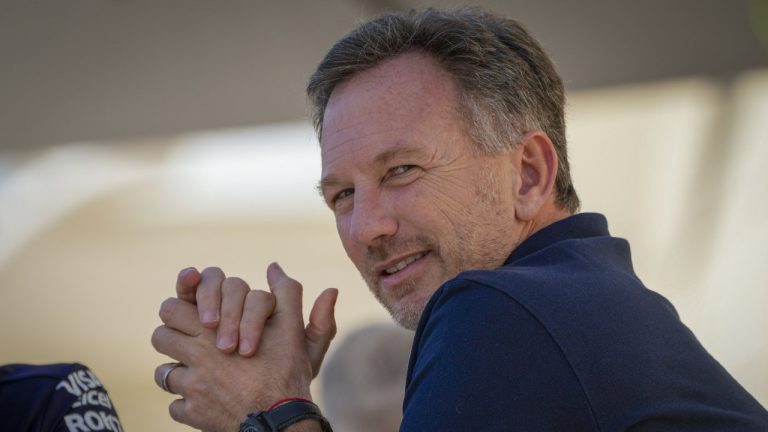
point(282, 416)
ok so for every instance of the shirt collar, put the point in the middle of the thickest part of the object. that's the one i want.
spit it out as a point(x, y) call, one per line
point(582, 225)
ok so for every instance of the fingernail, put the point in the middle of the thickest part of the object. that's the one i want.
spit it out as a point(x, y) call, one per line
point(224, 341)
point(209, 317)
point(245, 346)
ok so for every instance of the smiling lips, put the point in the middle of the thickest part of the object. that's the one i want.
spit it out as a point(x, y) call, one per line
point(403, 263)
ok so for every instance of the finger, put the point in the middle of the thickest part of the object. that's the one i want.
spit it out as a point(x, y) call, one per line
point(191, 409)
point(186, 284)
point(180, 315)
point(233, 291)
point(171, 369)
point(321, 327)
point(178, 411)
point(287, 293)
point(209, 296)
point(184, 411)
point(159, 372)
point(259, 306)
point(174, 344)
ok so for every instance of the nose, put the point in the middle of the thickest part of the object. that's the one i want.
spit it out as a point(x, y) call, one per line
point(372, 217)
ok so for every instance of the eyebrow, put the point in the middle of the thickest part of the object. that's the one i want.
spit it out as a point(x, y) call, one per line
point(380, 159)
point(325, 183)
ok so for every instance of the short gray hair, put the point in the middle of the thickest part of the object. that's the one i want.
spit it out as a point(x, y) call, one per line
point(508, 85)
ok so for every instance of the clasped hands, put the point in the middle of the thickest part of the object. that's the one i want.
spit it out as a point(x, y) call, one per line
point(241, 349)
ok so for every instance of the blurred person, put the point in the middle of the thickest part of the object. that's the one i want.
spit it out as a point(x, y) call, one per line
point(444, 161)
point(363, 380)
point(64, 397)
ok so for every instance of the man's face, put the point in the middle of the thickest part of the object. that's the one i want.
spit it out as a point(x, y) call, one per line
point(415, 204)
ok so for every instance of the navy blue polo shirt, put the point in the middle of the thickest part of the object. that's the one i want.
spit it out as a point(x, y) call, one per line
point(565, 337)
point(65, 397)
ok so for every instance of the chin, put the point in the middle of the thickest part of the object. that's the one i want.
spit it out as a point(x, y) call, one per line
point(407, 313)
point(406, 322)
point(406, 303)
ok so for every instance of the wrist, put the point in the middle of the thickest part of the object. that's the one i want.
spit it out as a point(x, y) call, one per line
point(306, 425)
point(287, 415)
point(286, 400)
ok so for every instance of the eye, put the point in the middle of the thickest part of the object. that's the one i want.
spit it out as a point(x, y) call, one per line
point(400, 170)
point(343, 194)
point(339, 202)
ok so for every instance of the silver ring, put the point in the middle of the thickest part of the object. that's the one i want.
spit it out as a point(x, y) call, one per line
point(168, 370)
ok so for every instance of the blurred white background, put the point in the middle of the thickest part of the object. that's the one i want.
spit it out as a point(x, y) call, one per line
point(137, 139)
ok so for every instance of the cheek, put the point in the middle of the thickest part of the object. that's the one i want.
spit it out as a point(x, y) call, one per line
point(446, 197)
point(353, 249)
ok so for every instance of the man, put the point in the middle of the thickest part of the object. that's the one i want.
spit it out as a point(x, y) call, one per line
point(444, 162)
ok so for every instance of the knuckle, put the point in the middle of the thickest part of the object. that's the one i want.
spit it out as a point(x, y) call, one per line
point(194, 413)
point(208, 296)
point(251, 322)
point(261, 297)
point(157, 337)
point(196, 355)
point(167, 308)
point(194, 388)
point(212, 272)
point(175, 410)
point(158, 374)
point(285, 281)
point(190, 410)
point(293, 283)
point(234, 285)
point(229, 317)
point(293, 286)
point(182, 272)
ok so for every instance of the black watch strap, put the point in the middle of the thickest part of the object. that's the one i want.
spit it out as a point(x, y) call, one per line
point(282, 416)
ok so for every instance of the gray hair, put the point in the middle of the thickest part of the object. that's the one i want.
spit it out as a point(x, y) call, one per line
point(508, 85)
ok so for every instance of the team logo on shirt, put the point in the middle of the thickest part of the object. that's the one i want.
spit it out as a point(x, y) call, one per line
point(92, 410)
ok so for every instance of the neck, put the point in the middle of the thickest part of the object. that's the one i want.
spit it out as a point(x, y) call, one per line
point(548, 215)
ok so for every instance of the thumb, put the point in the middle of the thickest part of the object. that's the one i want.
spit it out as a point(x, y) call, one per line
point(321, 327)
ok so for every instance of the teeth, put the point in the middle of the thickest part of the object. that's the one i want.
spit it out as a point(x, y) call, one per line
point(402, 264)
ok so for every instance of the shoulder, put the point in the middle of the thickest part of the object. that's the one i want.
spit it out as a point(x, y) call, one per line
point(470, 320)
point(586, 284)
point(55, 397)
point(592, 336)
point(484, 362)
point(19, 372)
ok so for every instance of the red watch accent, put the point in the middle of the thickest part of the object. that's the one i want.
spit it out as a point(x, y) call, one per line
point(282, 401)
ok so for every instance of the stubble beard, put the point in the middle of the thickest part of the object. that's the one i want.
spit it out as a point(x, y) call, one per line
point(401, 302)
point(406, 314)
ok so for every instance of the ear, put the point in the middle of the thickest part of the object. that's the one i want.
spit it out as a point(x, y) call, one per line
point(536, 167)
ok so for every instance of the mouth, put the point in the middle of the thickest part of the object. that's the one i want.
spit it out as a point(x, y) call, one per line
point(400, 264)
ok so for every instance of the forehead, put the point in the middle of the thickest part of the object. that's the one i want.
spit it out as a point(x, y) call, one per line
point(407, 100)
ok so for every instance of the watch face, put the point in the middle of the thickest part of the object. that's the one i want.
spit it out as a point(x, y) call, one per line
point(251, 424)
